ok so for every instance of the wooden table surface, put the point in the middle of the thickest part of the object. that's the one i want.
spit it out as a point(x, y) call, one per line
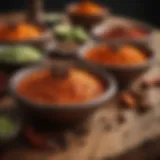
point(107, 137)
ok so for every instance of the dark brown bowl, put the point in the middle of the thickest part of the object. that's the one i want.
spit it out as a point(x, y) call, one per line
point(62, 114)
point(87, 21)
point(98, 31)
point(125, 74)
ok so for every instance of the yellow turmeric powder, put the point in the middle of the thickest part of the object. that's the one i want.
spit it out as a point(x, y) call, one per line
point(87, 8)
point(125, 55)
point(20, 32)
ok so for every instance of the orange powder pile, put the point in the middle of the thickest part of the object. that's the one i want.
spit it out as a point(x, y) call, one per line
point(87, 8)
point(19, 32)
point(78, 86)
point(125, 55)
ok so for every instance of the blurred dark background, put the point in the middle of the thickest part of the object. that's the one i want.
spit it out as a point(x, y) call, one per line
point(145, 10)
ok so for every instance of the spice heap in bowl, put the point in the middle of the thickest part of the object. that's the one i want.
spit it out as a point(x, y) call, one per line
point(86, 14)
point(125, 30)
point(126, 61)
point(24, 33)
point(62, 94)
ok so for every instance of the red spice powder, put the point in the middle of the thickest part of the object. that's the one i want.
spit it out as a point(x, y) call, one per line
point(79, 86)
point(125, 55)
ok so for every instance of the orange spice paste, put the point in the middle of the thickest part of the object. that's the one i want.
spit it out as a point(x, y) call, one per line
point(87, 8)
point(78, 86)
point(19, 32)
point(125, 55)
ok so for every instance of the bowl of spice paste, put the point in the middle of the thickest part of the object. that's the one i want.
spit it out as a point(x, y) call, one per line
point(65, 92)
point(126, 61)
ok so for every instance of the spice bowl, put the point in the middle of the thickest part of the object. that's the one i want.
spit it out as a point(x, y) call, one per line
point(88, 21)
point(119, 29)
point(61, 112)
point(40, 41)
point(10, 125)
point(124, 74)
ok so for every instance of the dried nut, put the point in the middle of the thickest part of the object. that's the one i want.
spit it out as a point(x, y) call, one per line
point(128, 100)
point(157, 82)
point(150, 83)
point(146, 84)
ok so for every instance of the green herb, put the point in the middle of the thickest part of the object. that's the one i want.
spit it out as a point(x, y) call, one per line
point(7, 127)
point(20, 54)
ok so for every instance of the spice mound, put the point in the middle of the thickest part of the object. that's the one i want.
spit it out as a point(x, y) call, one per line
point(77, 87)
point(19, 32)
point(124, 56)
point(20, 54)
point(87, 8)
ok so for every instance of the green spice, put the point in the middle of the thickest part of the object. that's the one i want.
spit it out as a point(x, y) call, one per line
point(20, 54)
point(7, 127)
point(68, 33)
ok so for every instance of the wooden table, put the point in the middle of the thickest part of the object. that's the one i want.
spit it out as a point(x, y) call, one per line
point(136, 136)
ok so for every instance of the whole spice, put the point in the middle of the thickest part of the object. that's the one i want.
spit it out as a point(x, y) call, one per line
point(125, 55)
point(19, 32)
point(154, 82)
point(127, 99)
point(87, 8)
point(77, 87)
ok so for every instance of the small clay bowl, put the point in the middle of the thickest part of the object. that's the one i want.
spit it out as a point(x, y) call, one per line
point(41, 41)
point(69, 114)
point(86, 21)
point(7, 69)
point(98, 31)
point(124, 74)
point(15, 115)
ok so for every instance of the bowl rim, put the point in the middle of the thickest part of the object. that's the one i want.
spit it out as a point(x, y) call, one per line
point(151, 59)
point(110, 90)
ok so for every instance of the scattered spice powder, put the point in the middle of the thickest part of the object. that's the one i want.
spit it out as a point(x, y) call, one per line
point(125, 55)
point(87, 8)
point(43, 87)
point(19, 32)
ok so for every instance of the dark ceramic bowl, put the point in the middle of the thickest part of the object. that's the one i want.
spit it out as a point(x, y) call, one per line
point(9, 68)
point(97, 32)
point(14, 115)
point(62, 114)
point(87, 21)
point(124, 74)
